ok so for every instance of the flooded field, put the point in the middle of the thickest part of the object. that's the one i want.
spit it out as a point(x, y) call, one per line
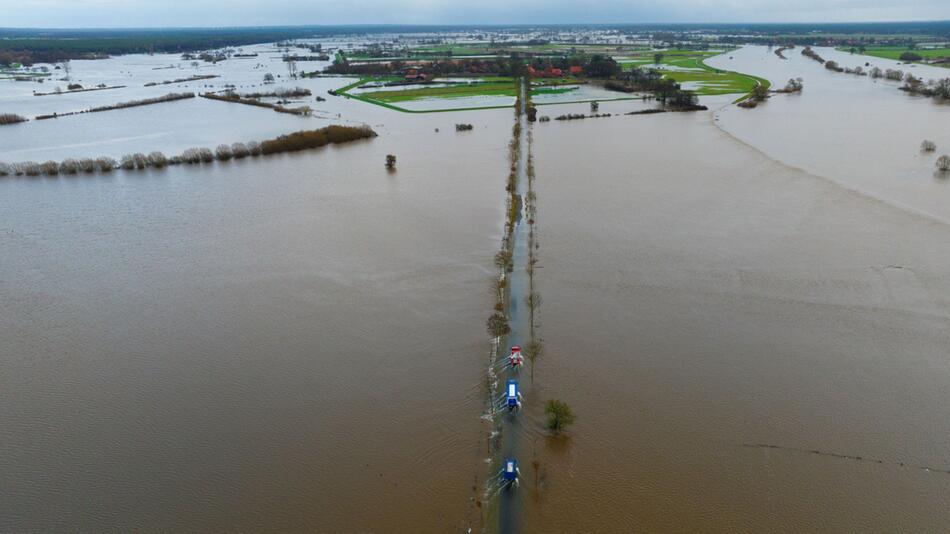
point(862, 133)
point(748, 310)
point(290, 343)
point(751, 347)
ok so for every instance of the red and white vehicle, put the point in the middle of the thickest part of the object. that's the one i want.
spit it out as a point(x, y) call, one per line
point(515, 359)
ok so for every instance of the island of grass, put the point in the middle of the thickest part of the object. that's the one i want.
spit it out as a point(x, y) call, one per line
point(689, 67)
point(938, 57)
point(491, 86)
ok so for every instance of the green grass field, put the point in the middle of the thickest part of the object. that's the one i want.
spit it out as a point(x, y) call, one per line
point(894, 52)
point(710, 81)
point(452, 91)
point(499, 87)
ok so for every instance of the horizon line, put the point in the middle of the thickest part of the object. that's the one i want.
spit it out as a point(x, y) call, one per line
point(470, 25)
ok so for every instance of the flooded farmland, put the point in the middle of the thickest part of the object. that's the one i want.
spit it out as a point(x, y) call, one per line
point(752, 347)
point(289, 343)
point(748, 311)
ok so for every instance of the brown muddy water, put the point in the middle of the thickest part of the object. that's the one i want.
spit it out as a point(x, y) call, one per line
point(701, 300)
point(752, 333)
point(293, 343)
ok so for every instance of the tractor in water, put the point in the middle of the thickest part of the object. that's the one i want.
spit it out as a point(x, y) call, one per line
point(512, 396)
point(515, 358)
point(510, 472)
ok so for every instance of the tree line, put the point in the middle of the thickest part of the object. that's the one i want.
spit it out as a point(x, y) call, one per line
point(292, 142)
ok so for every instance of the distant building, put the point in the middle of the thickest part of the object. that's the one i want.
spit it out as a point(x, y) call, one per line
point(415, 75)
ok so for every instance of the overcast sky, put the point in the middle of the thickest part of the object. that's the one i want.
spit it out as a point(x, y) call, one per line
point(151, 13)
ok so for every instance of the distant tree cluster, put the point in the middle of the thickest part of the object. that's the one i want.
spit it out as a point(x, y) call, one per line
point(833, 65)
point(52, 46)
point(441, 67)
point(794, 85)
point(934, 88)
point(808, 52)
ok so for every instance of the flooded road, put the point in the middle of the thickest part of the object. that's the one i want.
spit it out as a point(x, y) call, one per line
point(519, 317)
point(701, 299)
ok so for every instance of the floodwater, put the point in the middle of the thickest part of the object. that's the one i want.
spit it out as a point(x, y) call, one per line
point(748, 310)
point(170, 127)
point(864, 134)
point(748, 347)
point(290, 343)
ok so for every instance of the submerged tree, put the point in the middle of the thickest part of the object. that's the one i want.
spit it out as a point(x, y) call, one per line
point(928, 146)
point(498, 325)
point(943, 163)
point(534, 349)
point(390, 161)
point(794, 85)
point(560, 415)
point(759, 93)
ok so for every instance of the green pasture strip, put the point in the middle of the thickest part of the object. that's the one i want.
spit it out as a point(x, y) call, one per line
point(894, 52)
point(452, 91)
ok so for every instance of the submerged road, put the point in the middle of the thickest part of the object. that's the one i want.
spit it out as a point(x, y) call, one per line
point(519, 319)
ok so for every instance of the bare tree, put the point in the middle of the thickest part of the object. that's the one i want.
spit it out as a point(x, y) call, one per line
point(223, 152)
point(291, 65)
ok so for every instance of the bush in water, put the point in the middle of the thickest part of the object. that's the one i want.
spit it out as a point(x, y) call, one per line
point(894, 74)
point(943, 163)
point(560, 415)
point(928, 146)
point(105, 164)
point(239, 150)
point(191, 156)
point(87, 165)
point(50, 168)
point(794, 85)
point(69, 166)
point(11, 118)
point(29, 168)
point(223, 153)
point(157, 159)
